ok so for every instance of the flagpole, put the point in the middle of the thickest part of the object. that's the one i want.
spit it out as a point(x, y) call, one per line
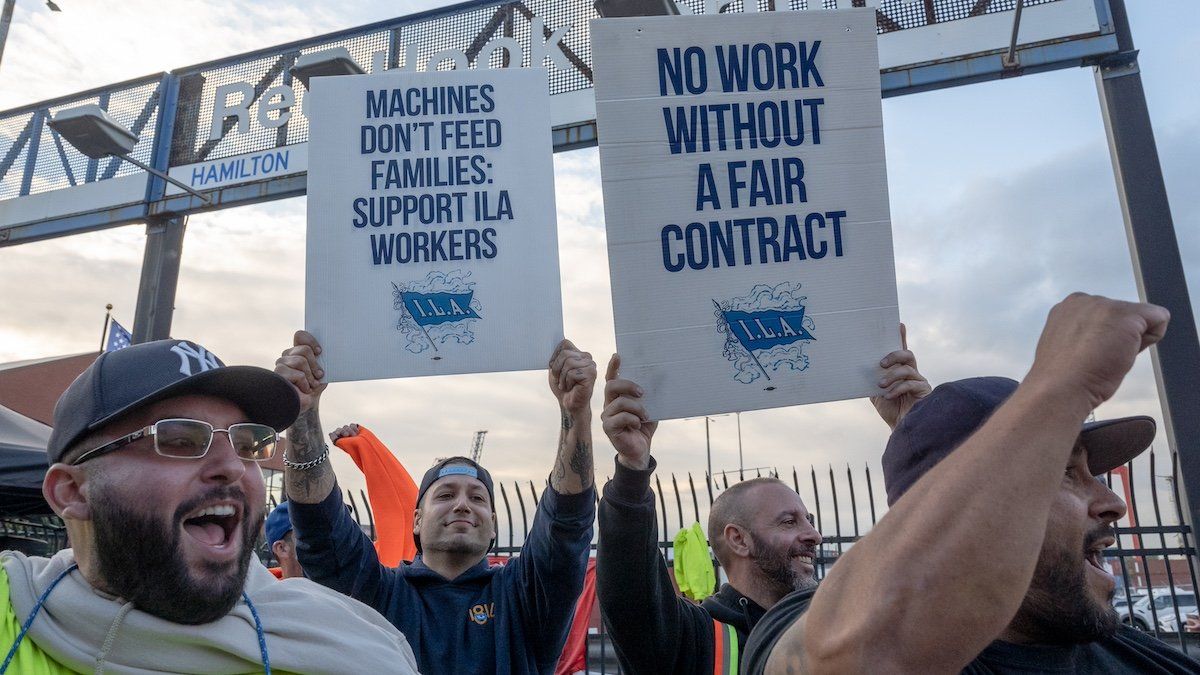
point(104, 331)
point(414, 318)
point(749, 351)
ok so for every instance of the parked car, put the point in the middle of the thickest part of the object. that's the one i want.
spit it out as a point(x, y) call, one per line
point(1122, 604)
point(1169, 609)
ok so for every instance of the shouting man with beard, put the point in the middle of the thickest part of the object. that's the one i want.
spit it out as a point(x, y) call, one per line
point(991, 557)
point(154, 469)
point(759, 529)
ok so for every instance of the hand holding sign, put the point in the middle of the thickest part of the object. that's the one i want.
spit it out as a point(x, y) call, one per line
point(572, 377)
point(624, 418)
point(902, 383)
point(299, 366)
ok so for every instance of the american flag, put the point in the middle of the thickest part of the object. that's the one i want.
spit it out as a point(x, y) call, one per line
point(118, 337)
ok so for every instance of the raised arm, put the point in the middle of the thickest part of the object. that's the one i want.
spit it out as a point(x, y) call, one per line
point(946, 569)
point(331, 547)
point(572, 377)
point(299, 365)
point(549, 572)
point(653, 629)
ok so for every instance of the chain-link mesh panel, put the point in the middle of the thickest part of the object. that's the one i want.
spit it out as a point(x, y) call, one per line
point(896, 15)
point(891, 15)
point(56, 164)
point(470, 31)
point(467, 31)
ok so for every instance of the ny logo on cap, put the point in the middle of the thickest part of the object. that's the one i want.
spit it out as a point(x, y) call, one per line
point(186, 352)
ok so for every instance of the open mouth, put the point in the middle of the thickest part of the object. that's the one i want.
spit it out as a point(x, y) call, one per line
point(214, 525)
point(806, 558)
point(1094, 556)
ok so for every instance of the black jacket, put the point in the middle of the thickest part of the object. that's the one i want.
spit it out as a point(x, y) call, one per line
point(653, 629)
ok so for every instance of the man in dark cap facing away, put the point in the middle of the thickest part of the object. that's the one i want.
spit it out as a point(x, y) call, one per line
point(991, 557)
point(154, 469)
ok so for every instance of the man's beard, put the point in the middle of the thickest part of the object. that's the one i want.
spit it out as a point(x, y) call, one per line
point(459, 546)
point(140, 559)
point(776, 565)
point(1059, 607)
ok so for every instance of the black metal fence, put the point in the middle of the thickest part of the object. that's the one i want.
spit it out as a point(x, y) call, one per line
point(1154, 560)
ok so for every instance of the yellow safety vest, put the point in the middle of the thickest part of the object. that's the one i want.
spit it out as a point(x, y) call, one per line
point(725, 649)
point(29, 659)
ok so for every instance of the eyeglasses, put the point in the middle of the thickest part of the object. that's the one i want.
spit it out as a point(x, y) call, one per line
point(190, 439)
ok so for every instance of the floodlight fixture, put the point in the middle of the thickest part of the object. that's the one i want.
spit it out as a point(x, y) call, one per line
point(53, 7)
point(618, 8)
point(325, 63)
point(92, 131)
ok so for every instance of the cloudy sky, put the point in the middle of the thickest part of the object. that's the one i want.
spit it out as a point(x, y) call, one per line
point(1002, 197)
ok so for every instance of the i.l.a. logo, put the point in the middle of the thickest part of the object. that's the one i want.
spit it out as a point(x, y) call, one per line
point(481, 613)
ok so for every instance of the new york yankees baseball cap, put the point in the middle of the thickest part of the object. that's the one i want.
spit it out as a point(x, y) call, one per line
point(121, 381)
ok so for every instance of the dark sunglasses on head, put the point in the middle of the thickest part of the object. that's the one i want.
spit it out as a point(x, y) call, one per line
point(190, 439)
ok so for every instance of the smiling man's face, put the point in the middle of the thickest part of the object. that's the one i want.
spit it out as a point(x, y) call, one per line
point(172, 534)
point(783, 544)
point(1070, 598)
point(456, 517)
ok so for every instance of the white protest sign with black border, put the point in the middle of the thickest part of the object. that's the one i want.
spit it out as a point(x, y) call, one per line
point(432, 236)
point(745, 199)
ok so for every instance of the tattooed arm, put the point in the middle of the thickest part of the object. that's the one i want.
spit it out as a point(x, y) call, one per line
point(572, 376)
point(331, 547)
point(547, 577)
point(306, 443)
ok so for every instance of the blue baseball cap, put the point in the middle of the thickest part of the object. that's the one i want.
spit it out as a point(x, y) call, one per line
point(279, 523)
point(953, 411)
point(122, 381)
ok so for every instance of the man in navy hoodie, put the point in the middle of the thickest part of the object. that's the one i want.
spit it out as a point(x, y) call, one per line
point(460, 614)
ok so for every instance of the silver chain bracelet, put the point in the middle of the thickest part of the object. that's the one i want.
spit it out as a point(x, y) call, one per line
point(301, 466)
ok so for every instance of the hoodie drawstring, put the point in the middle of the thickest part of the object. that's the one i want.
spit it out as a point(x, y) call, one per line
point(111, 636)
point(745, 605)
point(262, 638)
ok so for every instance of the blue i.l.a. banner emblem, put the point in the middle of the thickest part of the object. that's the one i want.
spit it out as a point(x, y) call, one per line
point(435, 310)
point(768, 328)
point(431, 309)
point(765, 331)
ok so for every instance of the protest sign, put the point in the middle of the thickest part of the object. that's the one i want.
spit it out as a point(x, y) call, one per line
point(432, 237)
point(745, 197)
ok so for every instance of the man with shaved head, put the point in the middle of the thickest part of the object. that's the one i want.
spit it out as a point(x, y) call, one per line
point(759, 529)
point(743, 509)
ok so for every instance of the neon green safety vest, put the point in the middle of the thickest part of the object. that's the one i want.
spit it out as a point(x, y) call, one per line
point(725, 649)
point(29, 659)
point(693, 564)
